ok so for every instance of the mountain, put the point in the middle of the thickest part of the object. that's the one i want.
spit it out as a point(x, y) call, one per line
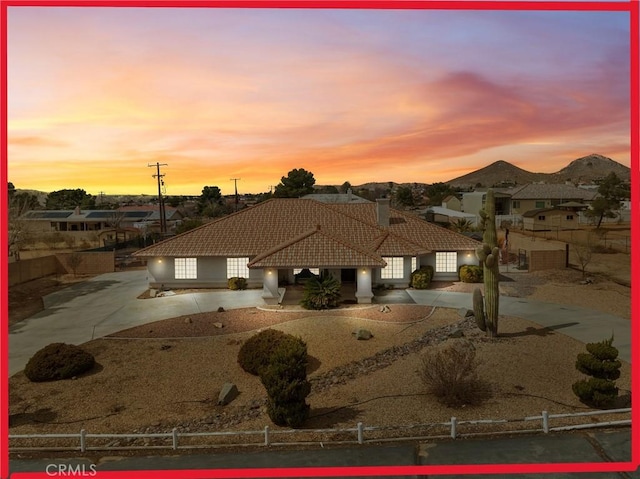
point(583, 170)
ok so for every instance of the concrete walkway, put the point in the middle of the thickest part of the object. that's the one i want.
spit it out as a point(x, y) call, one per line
point(108, 303)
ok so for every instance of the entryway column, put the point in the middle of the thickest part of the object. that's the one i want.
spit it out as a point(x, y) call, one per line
point(363, 288)
point(270, 292)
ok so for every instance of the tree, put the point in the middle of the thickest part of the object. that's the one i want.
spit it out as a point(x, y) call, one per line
point(438, 192)
point(211, 204)
point(187, 225)
point(612, 191)
point(584, 252)
point(404, 196)
point(345, 187)
point(327, 190)
point(297, 183)
point(602, 364)
point(69, 199)
point(74, 260)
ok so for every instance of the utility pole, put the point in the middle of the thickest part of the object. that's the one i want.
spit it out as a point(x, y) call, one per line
point(163, 218)
point(235, 181)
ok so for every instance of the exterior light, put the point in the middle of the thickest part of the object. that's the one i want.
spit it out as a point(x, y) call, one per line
point(160, 261)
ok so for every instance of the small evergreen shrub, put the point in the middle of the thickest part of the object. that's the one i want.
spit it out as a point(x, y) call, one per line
point(58, 361)
point(421, 278)
point(285, 380)
point(321, 293)
point(470, 273)
point(236, 283)
point(602, 365)
point(256, 351)
point(303, 276)
point(449, 372)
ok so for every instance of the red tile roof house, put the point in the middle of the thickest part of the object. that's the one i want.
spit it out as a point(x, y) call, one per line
point(366, 243)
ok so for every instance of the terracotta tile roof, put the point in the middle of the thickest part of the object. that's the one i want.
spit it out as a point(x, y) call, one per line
point(317, 249)
point(270, 225)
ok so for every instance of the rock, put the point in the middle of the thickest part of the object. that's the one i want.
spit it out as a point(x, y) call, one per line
point(465, 313)
point(363, 334)
point(218, 325)
point(228, 393)
point(164, 347)
point(153, 292)
point(385, 309)
point(220, 309)
point(188, 321)
point(456, 333)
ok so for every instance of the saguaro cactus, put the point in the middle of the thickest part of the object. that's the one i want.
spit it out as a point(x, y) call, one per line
point(486, 309)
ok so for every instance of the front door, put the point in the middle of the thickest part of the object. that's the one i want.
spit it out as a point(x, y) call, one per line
point(348, 275)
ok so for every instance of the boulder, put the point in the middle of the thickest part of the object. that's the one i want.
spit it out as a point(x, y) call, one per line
point(385, 309)
point(218, 325)
point(456, 333)
point(363, 334)
point(465, 313)
point(227, 394)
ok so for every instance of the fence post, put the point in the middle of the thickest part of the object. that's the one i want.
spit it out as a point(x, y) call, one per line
point(545, 422)
point(83, 440)
point(174, 434)
point(266, 435)
point(453, 427)
point(360, 433)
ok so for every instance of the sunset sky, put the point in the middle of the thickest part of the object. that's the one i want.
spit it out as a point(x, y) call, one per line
point(96, 94)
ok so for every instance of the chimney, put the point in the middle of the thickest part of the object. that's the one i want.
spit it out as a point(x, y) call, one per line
point(349, 195)
point(383, 212)
point(76, 211)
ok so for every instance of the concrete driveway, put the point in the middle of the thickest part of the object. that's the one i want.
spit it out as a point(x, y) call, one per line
point(106, 304)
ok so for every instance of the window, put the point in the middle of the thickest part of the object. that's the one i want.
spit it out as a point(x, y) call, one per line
point(540, 204)
point(569, 217)
point(447, 262)
point(315, 271)
point(516, 205)
point(541, 217)
point(186, 268)
point(237, 268)
point(394, 268)
point(414, 263)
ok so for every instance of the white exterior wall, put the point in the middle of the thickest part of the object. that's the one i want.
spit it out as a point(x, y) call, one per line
point(211, 273)
point(463, 257)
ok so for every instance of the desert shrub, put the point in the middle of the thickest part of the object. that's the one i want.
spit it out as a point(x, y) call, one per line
point(321, 293)
point(285, 380)
point(256, 351)
point(236, 283)
point(470, 273)
point(450, 373)
point(602, 365)
point(421, 278)
point(602, 249)
point(58, 361)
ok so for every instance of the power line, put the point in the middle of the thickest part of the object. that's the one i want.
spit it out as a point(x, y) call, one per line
point(163, 218)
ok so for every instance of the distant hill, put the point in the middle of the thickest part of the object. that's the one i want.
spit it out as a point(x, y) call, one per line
point(583, 170)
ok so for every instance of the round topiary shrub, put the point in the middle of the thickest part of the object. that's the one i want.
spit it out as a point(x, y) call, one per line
point(256, 351)
point(602, 365)
point(470, 273)
point(421, 278)
point(236, 283)
point(58, 361)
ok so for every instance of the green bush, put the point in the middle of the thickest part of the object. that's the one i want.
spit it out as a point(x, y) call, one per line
point(470, 273)
point(421, 278)
point(58, 361)
point(256, 352)
point(321, 293)
point(303, 276)
point(236, 283)
point(285, 380)
point(602, 365)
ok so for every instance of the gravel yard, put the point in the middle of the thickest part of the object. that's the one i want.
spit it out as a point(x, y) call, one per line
point(168, 374)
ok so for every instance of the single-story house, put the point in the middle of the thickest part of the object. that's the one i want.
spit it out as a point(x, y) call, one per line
point(540, 195)
point(267, 244)
point(547, 219)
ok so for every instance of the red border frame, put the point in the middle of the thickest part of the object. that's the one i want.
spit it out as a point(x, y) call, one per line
point(632, 6)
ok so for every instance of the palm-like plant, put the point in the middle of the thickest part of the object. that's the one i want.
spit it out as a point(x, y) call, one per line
point(321, 293)
point(462, 225)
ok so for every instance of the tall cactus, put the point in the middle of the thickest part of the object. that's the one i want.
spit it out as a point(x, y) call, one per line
point(486, 309)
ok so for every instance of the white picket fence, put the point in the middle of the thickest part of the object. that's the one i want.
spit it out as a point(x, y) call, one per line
point(361, 434)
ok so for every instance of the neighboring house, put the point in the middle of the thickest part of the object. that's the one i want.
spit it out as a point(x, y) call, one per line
point(77, 220)
point(474, 202)
point(546, 219)
point(347, 197)
point(452, 203)
point(539, 196)
point(362, 243)
point(438, 214)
